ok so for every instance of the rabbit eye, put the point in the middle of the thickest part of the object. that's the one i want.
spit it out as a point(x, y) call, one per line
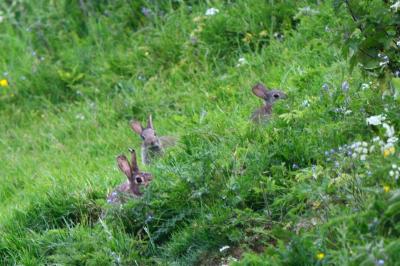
point(138, 180)
point(276, 96)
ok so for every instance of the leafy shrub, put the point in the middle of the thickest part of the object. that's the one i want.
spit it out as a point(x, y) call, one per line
point(372, 37)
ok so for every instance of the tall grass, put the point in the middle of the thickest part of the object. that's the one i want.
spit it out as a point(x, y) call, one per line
point(80, 70)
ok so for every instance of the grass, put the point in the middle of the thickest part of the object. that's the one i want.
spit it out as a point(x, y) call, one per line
point(78, 74)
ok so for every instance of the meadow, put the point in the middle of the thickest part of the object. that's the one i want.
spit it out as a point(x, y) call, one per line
point(316, 185)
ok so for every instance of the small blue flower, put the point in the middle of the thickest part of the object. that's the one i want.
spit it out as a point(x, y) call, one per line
point(345, 86)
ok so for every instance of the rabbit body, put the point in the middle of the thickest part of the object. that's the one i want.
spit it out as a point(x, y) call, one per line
point(149, 152)
point(130, 188)
point(269, 96)
point(152, 145)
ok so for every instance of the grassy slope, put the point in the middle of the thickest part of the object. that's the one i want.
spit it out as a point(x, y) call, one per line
point(266, 189)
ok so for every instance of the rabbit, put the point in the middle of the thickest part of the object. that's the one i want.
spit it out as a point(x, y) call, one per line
point(130, 188)
point(152, 144)
point(269, 96)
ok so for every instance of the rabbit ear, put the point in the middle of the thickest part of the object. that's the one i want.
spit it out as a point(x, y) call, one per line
point(150, 122)
point(134, 164)
point(260, 91)
point(123, 164)
point(137, 127)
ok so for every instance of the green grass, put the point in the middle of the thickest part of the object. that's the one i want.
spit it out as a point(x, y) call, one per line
point(78, 74)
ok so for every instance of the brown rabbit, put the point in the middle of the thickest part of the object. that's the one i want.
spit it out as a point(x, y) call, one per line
point(152, 144)
point(130, 188)
point(269, 96)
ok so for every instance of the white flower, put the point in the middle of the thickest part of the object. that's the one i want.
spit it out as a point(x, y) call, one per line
point(394, 166)
point(364, 86)
point(392, 140)
point(389, 130)
point(384, 63)
point(1, 19)
point(372, 149)
point(212, 11)
point(375, 120)
point(364, 144)
point(241, 61)
point(363, 157)
point(80, 117)
point(387, 146)
point(376, 139)
point(305, 103)
point(365, 150)
point(348, 112)
point(223, 248)
point(395, 6)
point(391, 173)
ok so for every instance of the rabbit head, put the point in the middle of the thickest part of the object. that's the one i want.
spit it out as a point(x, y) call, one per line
point(148, 134)
point(269, 96)
point(132, 172)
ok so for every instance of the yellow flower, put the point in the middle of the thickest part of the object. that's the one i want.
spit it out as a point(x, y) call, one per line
point(248, 37)
point(388, 151)
point(386, 189)
point(263, 33)
point(3, 83)
point(320, 256)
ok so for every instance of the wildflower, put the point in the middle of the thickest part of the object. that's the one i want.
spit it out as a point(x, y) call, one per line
point(263, 33)
point(388, 151)
point(345, 86)
point(80, 117)
point(279, 36)
point(395, 172)
point(305, 103)
point(363, 157)
point(241, 62)
point(392, 140)
point(364, 86)
point(211, 11)
point(325, 86)
point(4, 83)
point(320, 256)
point(389, 130)
point(375, 120)
point(146, 11)
point(386, 189)
point(223, 248)
point(384, 58)
point(248, 37)
point(380, 262)
point(395, 6)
